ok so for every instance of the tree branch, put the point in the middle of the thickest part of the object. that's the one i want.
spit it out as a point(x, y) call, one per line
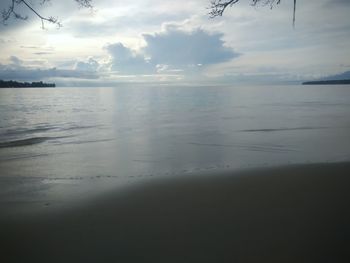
point(10, 11)
point(218, 7)
point(50, 19)
point(295, 5)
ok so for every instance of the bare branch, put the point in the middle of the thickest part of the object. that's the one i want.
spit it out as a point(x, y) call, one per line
point(295, 5)
point(6, 14)
point(218, 7)
point(84, 3)
point(43, 19)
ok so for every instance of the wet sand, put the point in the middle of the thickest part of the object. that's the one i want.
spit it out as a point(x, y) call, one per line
point(287, 214)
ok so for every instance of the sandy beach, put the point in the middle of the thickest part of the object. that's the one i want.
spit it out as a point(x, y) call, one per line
point(294, 213)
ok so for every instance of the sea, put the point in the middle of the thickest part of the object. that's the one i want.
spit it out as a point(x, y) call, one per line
point(65, 143)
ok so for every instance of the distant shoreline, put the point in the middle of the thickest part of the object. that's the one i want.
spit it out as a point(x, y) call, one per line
point(327, 82)
point(15, 84)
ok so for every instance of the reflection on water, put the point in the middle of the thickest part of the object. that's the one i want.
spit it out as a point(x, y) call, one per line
point(125, 132)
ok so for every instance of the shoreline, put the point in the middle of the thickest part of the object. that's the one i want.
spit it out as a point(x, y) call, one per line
point(283, 214)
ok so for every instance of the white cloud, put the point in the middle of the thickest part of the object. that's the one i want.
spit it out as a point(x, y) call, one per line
point(89, 65)
point(176, 47)
point(127, 61)
point(15, 61)
point(171, 51)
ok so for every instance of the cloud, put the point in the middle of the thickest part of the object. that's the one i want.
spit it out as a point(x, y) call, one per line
point(89, 65)
point(126, 61)
point(15, 61)
point(341, 2)
point(17, 70)
point(179, 48)
point(87, 27)
point(43, 53)
point(171, 51)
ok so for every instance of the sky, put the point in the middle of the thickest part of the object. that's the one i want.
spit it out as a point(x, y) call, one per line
point(167, 42)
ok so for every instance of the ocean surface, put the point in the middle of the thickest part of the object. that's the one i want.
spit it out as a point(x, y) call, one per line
point(60, 142)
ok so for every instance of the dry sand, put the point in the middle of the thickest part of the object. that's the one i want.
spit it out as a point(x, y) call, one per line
point(287, 214)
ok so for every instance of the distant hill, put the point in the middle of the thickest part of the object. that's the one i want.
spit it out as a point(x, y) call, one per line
point(15, 84)
point(327, 82)
point(338, 79)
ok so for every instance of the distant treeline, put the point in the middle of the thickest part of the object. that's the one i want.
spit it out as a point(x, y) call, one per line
point(327, 82)
point(16, 84)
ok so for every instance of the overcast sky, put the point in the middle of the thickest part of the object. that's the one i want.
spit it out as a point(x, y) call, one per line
point(170, 41)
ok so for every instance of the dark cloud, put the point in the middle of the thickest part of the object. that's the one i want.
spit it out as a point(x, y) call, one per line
point(30, 47)
point(344, 2)
point(18, 69)
point(42, 53)
point(336, 3)
point(18, 72)
point(179, 48)
point(40, 50)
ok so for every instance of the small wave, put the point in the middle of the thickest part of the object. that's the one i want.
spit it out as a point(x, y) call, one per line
point(254, 148)
point(88, 141)
point(283, 129)
point(39, 129)
point(44, 129)
point(212, 144)
point(26, 142)
point(77, 127)
point(22, 156)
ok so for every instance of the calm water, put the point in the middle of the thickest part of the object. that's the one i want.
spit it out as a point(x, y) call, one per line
point(73, 136)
